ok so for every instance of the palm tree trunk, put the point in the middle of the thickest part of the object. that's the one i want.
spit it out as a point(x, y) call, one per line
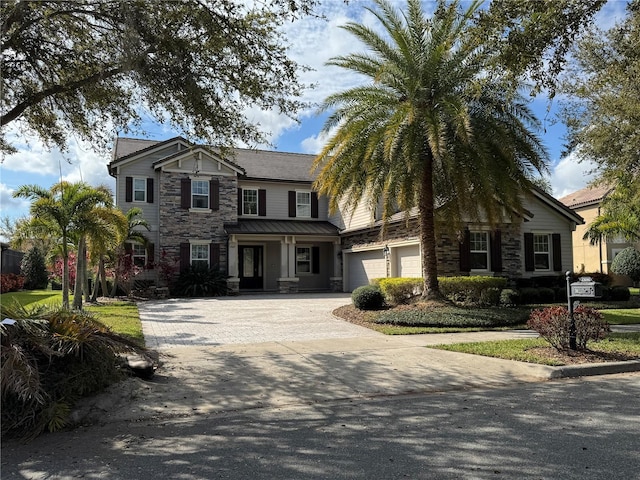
point(65, 273)
point(426, 209)
point(77, 294)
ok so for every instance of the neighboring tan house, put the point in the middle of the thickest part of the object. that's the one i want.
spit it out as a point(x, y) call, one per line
point(254, 214)
point(587, 257)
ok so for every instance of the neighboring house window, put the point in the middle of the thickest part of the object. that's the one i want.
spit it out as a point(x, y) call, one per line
point(139, 189)
point(200, 193)
point(139, 255)
point(541, 252)
point(249, 201)
point(479, 243)
point(303, 204)
point(303, 260)
point(200, 255)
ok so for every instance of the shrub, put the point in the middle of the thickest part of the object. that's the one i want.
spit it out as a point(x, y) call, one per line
point(529, 295)
point(50, 358)
point(553, 324)
point(367, 297)
point(509, 297)
point(490, 296)
point(627, 262)
point(454, 317)
point(546, 295)
point(10, 282)
point(468, 290)
point(400, 290)
point(201, 281)
point(34, 269)
point(619, 294)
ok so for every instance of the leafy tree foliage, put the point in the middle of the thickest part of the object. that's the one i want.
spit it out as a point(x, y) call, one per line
point(82, 66)
point(34, 269)
point(435, 126)
point(533, 37)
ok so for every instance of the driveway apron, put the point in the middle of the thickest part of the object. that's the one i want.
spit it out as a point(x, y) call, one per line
point(245, 319)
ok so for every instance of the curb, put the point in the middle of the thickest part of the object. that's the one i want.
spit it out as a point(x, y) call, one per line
point(609, 368)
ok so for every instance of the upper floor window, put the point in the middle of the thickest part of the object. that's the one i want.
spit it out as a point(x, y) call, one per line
point(479, 249)
point(249, 201)
point(199, 255)
point(303, 204)
point(541, 252)
point(200, 193)
point(140, 189)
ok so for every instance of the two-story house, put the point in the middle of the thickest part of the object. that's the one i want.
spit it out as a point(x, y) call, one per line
point(597, 257)
point(254, 215)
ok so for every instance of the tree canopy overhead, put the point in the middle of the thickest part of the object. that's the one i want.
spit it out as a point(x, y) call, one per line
point(82, 66)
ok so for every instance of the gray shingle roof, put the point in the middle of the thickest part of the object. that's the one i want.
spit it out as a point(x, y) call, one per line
point(280, 227)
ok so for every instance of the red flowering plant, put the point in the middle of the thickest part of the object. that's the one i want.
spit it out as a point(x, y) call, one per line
point(55, 271)
point(10, 282)
point(554, 325)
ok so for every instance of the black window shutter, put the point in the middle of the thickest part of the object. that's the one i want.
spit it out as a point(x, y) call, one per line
point(262, 203)
point(556, 247)
point(128, 248)
point(185, 257)
point(239, 201)
point(128, 189)
point(185, 193)
point(496, 251)
point(214, 194)
point(529, 258)
point(150, 255)
point(149, 190)
point(314, 205)
point(465, 251)
point(315, 259)
point(292, 203)
point(214, 255)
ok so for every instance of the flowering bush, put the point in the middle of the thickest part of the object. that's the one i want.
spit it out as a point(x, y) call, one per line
point(55, 274)
point(554, 325)
point(10, 282)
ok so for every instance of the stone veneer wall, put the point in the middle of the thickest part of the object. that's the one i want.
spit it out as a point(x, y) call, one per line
point(447, 249)
point(179, 225)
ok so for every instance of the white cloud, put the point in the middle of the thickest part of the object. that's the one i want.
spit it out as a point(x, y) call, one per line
point(570, 175)
point(10, 204)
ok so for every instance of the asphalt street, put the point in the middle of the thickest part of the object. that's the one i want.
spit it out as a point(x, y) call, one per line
point(584, 428)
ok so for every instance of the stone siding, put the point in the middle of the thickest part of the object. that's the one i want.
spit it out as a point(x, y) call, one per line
point(180, 225)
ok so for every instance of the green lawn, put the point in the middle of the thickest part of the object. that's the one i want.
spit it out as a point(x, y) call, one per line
point(634, 291)
point(622, 316)
point(627, 343)
point(121, 317)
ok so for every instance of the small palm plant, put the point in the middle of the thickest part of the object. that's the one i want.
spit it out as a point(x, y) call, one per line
point(51, 357)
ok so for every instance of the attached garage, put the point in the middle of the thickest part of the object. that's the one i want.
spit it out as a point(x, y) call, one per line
point(363, 266)
point(407, 261)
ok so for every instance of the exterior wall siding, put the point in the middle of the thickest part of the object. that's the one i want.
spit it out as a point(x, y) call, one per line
point(278, 199)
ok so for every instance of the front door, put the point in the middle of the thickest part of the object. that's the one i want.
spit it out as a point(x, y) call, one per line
point(251, 276)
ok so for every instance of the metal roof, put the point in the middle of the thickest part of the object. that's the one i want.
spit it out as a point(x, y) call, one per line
point(280, 227)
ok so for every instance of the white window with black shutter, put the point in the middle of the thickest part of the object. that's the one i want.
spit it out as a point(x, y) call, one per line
point(199, 254)
point(139, 189)
point(542, 252)
point(307, 260)
point(200, 194)
point(481, 251)
point(303, 204)
point(252, 202)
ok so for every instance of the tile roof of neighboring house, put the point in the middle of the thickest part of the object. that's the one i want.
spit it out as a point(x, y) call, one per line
point(280, 227)
point(586, 196)
point(258, 164)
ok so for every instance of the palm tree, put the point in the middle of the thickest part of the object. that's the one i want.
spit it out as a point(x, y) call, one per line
point(620, 215)
point(58, 210)
point(133, 233)
point(435, 127)
point(94, 224)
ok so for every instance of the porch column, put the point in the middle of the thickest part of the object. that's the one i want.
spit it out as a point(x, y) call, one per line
point(335, 281)
point(284, 257)
point(292, 258)
point(232, 259)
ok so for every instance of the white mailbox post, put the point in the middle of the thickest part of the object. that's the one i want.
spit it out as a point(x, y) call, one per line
point(586, 288)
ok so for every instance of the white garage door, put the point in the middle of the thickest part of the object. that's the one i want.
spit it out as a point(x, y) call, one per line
point(363, 266)
point(408, 261)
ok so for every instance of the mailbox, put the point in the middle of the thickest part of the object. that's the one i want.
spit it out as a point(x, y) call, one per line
point(585, 287)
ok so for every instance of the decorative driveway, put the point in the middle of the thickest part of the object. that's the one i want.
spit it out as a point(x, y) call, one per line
point(245, 319)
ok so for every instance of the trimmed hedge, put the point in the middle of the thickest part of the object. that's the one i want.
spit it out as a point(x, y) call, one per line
point(455, 317)
point(400, 290)
point(468, 290)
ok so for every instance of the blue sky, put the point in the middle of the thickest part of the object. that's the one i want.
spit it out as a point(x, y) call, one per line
point(312, 42)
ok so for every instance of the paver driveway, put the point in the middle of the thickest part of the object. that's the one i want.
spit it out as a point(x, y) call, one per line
point(245, 319)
